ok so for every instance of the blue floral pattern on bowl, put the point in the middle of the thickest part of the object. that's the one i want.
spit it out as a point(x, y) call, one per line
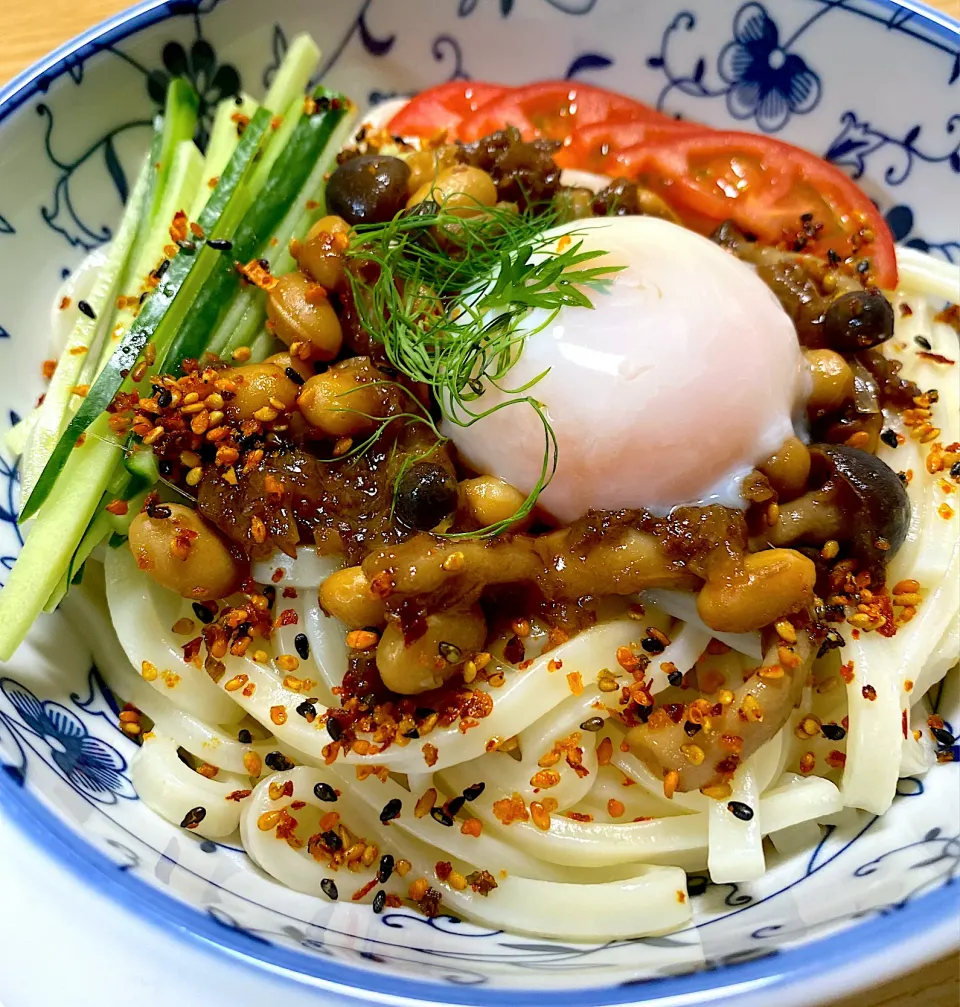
point(774, 67)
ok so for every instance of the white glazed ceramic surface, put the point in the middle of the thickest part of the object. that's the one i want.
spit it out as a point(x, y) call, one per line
point(870, 84)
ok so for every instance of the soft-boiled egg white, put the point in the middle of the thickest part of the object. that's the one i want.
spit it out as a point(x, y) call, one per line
point(683, 376)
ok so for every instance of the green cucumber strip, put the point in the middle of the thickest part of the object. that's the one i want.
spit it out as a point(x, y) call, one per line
point(142, 464)
point(17, 436)
point(223, 142)
point(52, 413)
point(296, 163)
point(97, 531)
point(179, 123)
point(288, 123)
point(56, 533)
point(182, 182)
point(244, 320)
point(164, 310)
point(293, 75)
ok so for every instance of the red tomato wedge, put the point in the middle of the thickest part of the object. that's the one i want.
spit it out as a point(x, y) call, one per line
point(553, 109)
point(442, 107)
point(768, 188)
point(594, 148)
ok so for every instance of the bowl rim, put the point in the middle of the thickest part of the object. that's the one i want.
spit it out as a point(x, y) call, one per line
point(917, 932)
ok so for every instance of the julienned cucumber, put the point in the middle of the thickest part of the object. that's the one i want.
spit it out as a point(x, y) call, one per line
point(179, 123)
point(243, 324)
point(224, 136)
point(162, 312)
point(51, 413)
point(290, 171)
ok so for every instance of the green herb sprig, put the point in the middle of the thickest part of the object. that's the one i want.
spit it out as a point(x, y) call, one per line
point(448, 299)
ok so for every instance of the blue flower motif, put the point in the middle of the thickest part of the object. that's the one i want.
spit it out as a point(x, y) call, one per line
point(766, 82)
point(91, 766)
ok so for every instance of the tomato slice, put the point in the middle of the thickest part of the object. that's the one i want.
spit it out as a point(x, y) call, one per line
point(442, 107)
point(553, 109)
point(785, 196)
point(595, 148)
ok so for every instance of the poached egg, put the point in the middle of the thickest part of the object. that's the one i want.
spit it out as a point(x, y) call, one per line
point(684, 375)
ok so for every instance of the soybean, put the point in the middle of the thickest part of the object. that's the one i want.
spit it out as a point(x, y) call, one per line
point(300, 312)
point(184, 554)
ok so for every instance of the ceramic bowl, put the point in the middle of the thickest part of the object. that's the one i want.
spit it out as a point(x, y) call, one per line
point(872, 85)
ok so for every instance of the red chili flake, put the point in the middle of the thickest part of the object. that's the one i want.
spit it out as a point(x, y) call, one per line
point(297, 805)
point(290, 592)
point(64, 303)
point(836, 759)
point(514, 651)
point(869, 692)
point(936, 358)
point(482, 882)
point(579, 817)
point(255, 273)
point(117, 507)
point(904, 723)
point(288, 617)
point(675, 711)
point(728, 765)
point(935, 722)
point(49, 366)
point(846, 672)
point(277, 575)
point(430, 754)
point(443, 869)
point(178, 229)
point(367, 888)
point(238, 795)
point(192, 649)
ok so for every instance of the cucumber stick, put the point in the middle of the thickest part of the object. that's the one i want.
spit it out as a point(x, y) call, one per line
point(296, 164)
point(243, 323)
point(293, 75)
point(186, 171)
point(56, 533)
point(223, 142)
point(164, 310)
point(52, 412)
point(179, 123)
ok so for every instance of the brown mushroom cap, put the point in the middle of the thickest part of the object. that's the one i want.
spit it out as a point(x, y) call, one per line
point(860, 500)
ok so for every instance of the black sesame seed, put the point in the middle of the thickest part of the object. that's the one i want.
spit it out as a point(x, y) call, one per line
point(690, 728)
point(414, 734)
point(652, 645)
point(923, 342)
point(675, 678)
point(902, 476)
point(391, 810)
point(187, 246)
point(450, 652)
point(592, 724)
point(422, 712)
point(439, 815)
point(143, 297)
point(161, 269)
point(889, 437)
point(302, 646)
point(942, 737)
point(278, 762)
point(165, 468)
point(643, 712)
point(386, 868)
point(220, 244)
point(158, 512)
point(308, 711)
point(334, 729)
point(324, 792)
point(193, 818)
point(474, 791)
point(863, 267)
point(833, 732)
point(244, 737)
point(263, 264)
point(455, 804)
point(831, 641)
point(329, 888)
point(332, 841)
point(84, 308)
point(323, 104)
point(165, 398)
point(295, 376)
point(202, 613)
point(955, 470)
point(740, 810)
point(379, 901)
